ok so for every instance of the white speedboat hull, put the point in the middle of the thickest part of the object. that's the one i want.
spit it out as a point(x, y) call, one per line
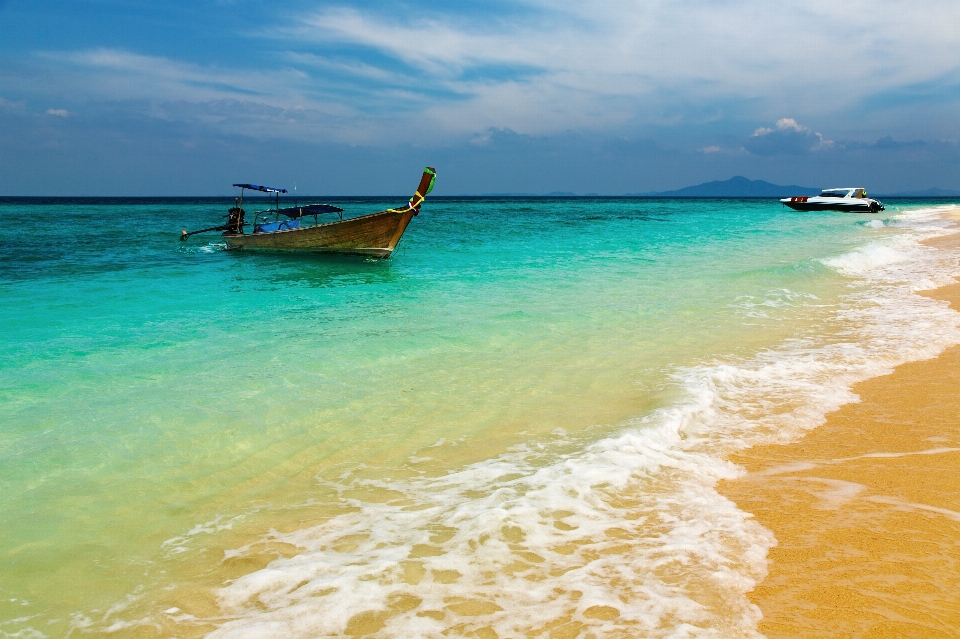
point(849, 205)
point(848, 200)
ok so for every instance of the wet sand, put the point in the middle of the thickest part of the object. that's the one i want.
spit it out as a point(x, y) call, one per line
point(866, 510)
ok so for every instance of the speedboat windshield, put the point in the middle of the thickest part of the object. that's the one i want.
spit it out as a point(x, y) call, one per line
point(836, 193)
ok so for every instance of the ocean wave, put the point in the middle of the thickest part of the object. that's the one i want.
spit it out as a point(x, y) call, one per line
point(627, 535)
point(757, 307)
point(624, 537)
point(210, 247)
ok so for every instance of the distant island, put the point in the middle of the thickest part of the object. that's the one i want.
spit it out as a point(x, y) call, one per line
point(934, 192)
point(737, 186)
point(740, 186)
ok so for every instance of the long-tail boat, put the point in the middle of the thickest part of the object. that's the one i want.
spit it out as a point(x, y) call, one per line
point(290, 228)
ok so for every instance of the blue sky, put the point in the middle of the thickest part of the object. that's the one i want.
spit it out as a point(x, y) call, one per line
point(103, 97)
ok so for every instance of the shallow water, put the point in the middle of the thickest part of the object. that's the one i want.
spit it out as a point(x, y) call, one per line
point(512, 427)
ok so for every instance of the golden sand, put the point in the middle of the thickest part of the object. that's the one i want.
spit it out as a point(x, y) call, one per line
point(866, 510)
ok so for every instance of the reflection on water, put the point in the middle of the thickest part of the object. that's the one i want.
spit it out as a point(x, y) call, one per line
point(266, 268)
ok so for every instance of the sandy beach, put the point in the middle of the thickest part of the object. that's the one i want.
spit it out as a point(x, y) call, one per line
point(866, 509)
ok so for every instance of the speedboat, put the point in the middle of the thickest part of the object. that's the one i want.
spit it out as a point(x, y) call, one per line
point(851, 200)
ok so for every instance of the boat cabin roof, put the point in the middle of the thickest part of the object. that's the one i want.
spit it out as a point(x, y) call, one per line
point(844, 192)
point(294, 212)
point(257, 187)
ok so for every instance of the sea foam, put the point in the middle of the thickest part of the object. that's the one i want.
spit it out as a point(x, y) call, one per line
point(622, 537)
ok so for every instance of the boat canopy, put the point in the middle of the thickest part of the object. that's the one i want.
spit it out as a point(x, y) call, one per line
point(265, 189)
point(838, 192)
point(309, 209)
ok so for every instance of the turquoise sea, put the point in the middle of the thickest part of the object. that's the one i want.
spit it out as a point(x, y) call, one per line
point(513, 427)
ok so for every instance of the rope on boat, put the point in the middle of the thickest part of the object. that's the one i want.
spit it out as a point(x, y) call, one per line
point(418, 198)
point(414, 203)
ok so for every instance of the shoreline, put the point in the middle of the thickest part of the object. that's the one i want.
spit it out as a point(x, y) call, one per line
point(866, 508)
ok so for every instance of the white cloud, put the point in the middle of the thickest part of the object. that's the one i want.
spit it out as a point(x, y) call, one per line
point(823, 143)
point(789, 124)
point(16, 107)
point(707, 150)
point(602, 63)
point(120, 74)
point(783, 124)
point(258, 103)
point(58, 112)
point(544, 66)
point(786, 136)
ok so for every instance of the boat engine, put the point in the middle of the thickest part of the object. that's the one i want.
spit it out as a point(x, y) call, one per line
point(235, 219)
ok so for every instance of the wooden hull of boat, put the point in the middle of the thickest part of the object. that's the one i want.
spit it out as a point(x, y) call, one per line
point(376, 234)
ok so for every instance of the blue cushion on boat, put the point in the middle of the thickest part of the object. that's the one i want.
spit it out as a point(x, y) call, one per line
point(282, 225)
